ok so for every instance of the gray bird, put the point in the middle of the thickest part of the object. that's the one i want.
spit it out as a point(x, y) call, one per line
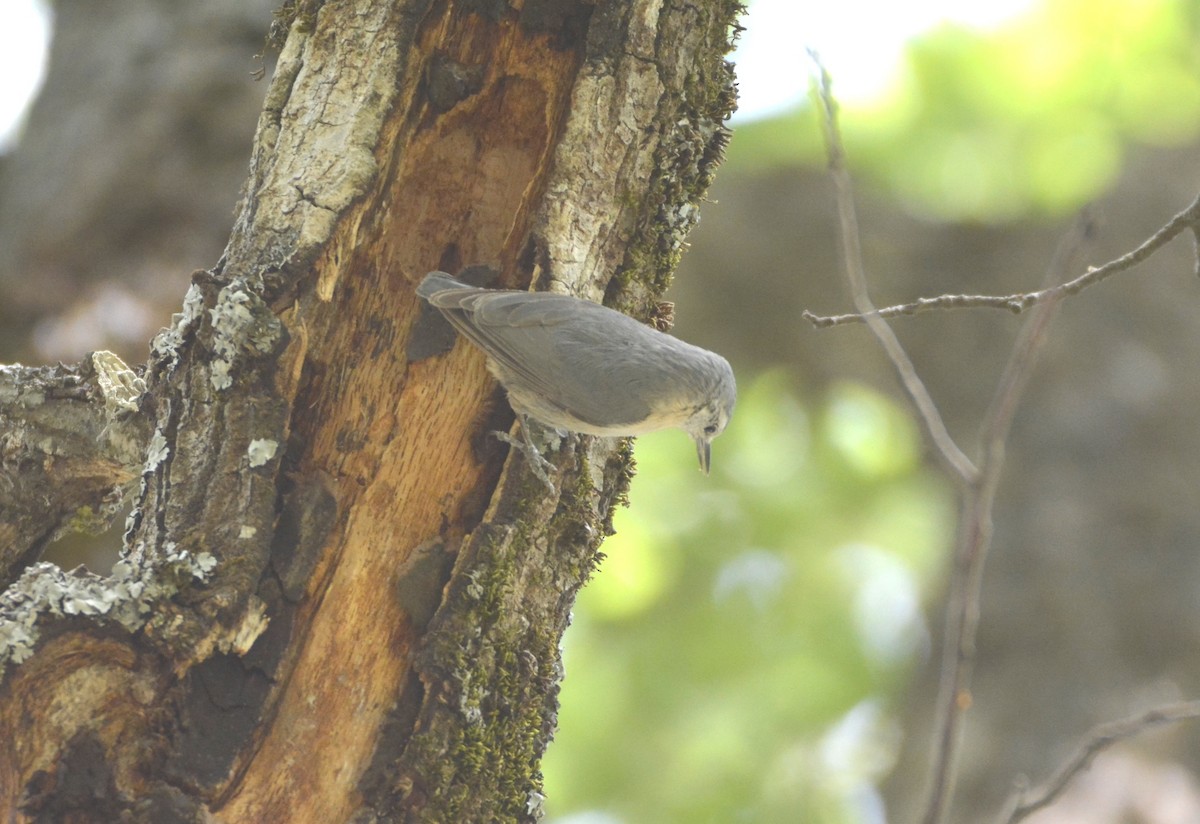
point(571, 364)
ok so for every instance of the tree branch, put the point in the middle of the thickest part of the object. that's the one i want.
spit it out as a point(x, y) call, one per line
point(971, 549)
point(955, 460)
point(977, 485)
point(1023, 802)
point(70, 442)
point(1188, 219)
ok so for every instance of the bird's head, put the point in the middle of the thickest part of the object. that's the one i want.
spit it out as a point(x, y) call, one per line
point(712, 407)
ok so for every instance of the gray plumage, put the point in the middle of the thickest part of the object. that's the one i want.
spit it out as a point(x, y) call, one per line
point(571, 364)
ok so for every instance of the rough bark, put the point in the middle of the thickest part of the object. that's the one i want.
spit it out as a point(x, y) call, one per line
point(70, 444)
point(340, 601)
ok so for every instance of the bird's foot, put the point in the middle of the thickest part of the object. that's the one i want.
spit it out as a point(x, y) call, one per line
point(537, 463)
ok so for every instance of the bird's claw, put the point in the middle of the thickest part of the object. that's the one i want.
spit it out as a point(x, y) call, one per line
point(537, 463)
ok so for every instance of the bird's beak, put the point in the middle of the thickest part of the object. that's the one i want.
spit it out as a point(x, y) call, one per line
point(704, 451)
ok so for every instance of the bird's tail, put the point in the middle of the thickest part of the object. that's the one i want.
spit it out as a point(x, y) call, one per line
point(436, 282)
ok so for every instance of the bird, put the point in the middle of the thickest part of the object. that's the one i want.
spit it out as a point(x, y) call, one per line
point(573, 365)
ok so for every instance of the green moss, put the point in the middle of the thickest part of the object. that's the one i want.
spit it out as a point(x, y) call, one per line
point(685, 165)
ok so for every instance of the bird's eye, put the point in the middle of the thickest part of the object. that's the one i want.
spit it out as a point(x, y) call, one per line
point(711, 429)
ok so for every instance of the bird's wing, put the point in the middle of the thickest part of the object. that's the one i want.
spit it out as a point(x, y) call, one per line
point(567, 351)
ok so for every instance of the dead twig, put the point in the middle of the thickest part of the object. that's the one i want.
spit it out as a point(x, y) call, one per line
point(975, 534)
point(977, 484)
point(953, 457)
point(1024, 803)
point(1188, 219)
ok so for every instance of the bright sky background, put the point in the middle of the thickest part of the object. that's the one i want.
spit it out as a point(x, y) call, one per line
point(860, 42)
point(23, 41)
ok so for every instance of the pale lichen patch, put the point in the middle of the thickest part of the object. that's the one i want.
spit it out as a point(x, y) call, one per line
point(125, 597)
point(157, 452)
point(261, 451)
point(120, 385)
point(241, 322)
point(166, 344)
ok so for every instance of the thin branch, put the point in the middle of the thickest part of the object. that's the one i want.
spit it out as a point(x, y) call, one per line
point(970, 554)
point(1196, 246)
point(954, 458)
point(998, 418)
point(1188, 219)
point(1023, 803)
point(978, 485)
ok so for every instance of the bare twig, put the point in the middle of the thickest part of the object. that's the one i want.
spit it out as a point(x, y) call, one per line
point(977, 485)
point(1196, 246)
point(954, 458)
point(975, 531)
point(1188, 219)
point(1023, 802)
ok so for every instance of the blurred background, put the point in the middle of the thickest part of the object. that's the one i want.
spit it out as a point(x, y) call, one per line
point(758, 645)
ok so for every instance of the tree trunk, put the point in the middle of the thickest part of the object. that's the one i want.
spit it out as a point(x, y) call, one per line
point(340, 601)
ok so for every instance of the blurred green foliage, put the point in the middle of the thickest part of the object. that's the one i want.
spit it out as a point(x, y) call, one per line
point(1030, 119)
point(727, 661)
